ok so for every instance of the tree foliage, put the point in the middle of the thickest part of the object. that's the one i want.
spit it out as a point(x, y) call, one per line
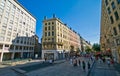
point(87, 49)
point(96, 47)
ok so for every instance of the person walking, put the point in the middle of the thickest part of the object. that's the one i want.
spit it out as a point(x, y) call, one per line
point(108, 62)
point(71, 61)
point(83, 65)
point(75, 62)
point(88, 64)
point(79, 62)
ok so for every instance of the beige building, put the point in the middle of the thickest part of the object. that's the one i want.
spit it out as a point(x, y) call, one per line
point(110, 27)
point(58, 39)
point(17, 28)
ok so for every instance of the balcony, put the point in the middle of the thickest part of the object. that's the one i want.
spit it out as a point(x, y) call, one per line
point(59, 43)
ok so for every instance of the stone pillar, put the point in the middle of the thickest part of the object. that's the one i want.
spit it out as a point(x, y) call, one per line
point(13, 54)
point(1, 58)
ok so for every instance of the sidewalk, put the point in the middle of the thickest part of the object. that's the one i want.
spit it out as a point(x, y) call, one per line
point(117, 67)
point(19, 63)
point(102, 69)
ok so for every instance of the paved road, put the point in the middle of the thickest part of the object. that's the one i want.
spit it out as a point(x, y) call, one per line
point(62, 69)
point(102, 69)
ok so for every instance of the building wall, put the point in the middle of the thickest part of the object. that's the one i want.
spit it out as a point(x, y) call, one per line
point(17, 27)
point(58, 37)
point(110, 27)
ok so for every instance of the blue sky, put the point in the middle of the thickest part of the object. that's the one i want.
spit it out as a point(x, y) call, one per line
point(83, 16)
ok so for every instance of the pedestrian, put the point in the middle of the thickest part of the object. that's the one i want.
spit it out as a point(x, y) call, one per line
point(83, 64)
point(108, 62)
point(88, 64)
point(79, 62)
point(71, 61)
point(75, 62)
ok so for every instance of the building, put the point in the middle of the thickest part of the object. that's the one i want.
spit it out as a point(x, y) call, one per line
point(84, 45)
point(110, 28)
point(37, 48)
point(17, 28)
point(58, 39)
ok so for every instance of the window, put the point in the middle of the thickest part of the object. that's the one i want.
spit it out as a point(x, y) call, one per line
point(7, 14)
point(4, 26)
point(14, 34)
point(20, 47)
point(10, 27)
point(15, 29)
point(8, 8)
point(9, 33)
point(16, 48)
point(3, 32)
point(48, 27)
point(111, 19)
point(8, 39)
point(5, 20)
point(52, 22)
point(1, 11)
point(116, 15)
point(8, 3)
point(113, 5)
point(119, 26)
point(3, 1)
point(48, 33)
point(45, 23)
point(118, 1)
point(49, 23)
point(52, 33)
point(118, 41)
point(106, 2)
point(45, 28)
point(115, 31)
point(2, 5)
point(109, 11)
point(45, 33)
point(52, 27)
point(2, 38)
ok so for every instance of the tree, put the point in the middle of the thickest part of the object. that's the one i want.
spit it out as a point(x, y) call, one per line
point(87, 49)
point(96, 47)
point(72, 52)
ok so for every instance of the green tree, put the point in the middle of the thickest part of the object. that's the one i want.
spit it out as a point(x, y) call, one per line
point(87, 49)
point(96, 47)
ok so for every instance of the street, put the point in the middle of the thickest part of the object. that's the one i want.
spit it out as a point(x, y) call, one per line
point(59, 68)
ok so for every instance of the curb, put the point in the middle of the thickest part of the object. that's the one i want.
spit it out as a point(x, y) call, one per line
point(88, 74)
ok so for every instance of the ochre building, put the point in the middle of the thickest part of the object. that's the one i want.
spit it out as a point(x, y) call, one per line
point(58, 39)
point(110, 28)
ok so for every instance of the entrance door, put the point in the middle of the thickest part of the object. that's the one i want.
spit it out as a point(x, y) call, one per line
point(49, 56)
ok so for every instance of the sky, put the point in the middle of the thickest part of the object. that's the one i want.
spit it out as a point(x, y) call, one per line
point(83, 16)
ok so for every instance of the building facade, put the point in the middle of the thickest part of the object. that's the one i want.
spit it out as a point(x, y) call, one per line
point(110, 28)
point(37, 48)
point(58, 39)
point(17, 28)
